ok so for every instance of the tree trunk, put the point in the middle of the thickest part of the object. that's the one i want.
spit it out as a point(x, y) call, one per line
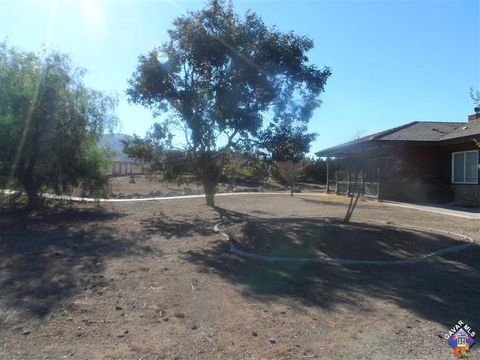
point(209, 187)
point(291, 188)
point(30, 185)
point(210, 198)
point(353, 203)
point(32, 196)
point(352, 206)
point(209, 172)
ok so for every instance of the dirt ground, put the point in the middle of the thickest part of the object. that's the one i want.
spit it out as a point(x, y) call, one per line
point(327, 238)
point(152, 280)
point(122, 187)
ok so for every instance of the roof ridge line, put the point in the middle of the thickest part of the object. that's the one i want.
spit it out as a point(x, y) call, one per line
point(441, 122)
point(392, 130)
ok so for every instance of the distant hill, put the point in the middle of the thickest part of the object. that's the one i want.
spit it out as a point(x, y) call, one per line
point(113, 141)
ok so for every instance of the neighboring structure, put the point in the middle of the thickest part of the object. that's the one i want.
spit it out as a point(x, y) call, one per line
point(423, 161)
point(121, 164)
point(120, 167)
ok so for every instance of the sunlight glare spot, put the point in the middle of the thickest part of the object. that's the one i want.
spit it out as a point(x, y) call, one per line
point(162, 57)
point(94, 19)
point(51, 21)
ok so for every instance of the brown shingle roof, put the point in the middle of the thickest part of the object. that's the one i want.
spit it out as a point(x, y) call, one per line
point(417, 131)
point(470, 129)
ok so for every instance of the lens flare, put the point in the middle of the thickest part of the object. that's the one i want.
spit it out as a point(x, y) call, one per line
point(162, 57)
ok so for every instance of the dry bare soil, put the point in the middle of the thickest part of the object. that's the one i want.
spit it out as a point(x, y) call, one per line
point(152, 280)
point(143, 186)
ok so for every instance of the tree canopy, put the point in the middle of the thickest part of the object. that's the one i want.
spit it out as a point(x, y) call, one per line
point(287, 142)
point(50, 123)
point(220, 76)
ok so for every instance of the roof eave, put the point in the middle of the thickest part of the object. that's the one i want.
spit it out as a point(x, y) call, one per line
point(342, 150)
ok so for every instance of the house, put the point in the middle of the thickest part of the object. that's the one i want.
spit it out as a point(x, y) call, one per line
point(422, 161)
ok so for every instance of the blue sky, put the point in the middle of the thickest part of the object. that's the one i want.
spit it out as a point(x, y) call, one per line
point(393, 62)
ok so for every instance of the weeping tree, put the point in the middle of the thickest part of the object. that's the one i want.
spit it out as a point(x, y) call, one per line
point(50, 123)
point(217, 78)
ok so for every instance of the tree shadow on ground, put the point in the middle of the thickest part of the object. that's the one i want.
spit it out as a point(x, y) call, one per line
point(338, 204)
point(443, 289)
point(46, 259)
point(170, 228)
point(331, 238)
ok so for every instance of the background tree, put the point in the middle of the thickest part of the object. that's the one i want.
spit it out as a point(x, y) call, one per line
point(50, 124)
point(244, 167)
point(219, 76)
point(316, 170)
point(291, 172)
point(156, 152)
point(475, 95)
point(287, 143)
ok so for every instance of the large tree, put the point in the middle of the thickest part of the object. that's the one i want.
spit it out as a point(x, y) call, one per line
point(219, 76)
point(49, 124)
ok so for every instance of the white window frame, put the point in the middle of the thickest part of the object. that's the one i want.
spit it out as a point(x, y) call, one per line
point(464, 167)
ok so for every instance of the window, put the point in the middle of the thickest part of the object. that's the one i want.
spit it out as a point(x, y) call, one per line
point(465, 167)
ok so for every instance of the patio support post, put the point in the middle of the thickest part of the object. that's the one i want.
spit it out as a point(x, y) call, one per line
point(348, 178)
point(363, 181)
point(362, 172)
point(378, 182)
point(328, 177)
point(336, 178)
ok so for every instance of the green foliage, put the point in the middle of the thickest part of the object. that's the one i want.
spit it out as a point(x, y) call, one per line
point(92, 169)
point(475, 95)
point(155, 151)
point(50, 124)
point(218, 76)
point(244, 167)
point(287, 141)
point(316, 170)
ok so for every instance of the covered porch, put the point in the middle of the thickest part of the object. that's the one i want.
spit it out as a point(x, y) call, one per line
point(418, 173)
point(353, 172)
